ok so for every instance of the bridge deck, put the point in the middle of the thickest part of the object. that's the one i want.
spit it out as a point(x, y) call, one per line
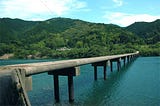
point(36, 68)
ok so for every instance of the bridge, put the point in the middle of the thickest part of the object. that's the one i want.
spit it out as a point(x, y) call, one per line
point(16, 80)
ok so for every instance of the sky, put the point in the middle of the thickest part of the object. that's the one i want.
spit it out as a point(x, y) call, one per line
point(119, 12)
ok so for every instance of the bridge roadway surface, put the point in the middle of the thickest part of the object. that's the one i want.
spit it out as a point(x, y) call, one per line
point(36, 68)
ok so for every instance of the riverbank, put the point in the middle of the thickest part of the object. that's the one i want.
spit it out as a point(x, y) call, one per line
point(79, 53)
point(6, 56)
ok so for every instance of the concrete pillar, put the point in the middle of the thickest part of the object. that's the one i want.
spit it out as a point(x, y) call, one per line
point(95, 72)
point(8, 92)
point(13, 90)
point(124, 61)
point(118, 64)
point(111, 65)
point(102, 64)
point(70, 88)
point(104, 71)
point(128, 59)
point(56, 87)
point(69, 72)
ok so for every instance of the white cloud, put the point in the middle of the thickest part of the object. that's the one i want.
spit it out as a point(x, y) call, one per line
point(29, 8)
point(125, 19)
point(118, 2)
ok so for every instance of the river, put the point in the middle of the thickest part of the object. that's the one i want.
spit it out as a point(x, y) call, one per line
point(137, 84)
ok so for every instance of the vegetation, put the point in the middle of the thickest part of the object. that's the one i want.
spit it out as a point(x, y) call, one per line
point(68, 38)
point(149, 32)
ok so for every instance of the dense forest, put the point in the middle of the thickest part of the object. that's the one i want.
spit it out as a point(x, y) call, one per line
point(71, 38)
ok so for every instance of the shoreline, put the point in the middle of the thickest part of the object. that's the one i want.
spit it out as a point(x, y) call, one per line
point(6, 56)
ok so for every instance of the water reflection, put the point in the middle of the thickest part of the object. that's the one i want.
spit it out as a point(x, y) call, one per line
point(102, 91)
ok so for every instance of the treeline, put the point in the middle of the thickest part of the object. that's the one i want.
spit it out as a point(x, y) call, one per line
point(67, 38)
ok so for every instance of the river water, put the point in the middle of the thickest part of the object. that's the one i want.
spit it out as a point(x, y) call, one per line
point(137, 84)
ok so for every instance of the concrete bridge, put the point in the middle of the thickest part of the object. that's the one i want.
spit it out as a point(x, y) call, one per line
point(16, 80)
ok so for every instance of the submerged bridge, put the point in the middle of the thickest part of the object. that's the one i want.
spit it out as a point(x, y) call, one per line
point(16, 80)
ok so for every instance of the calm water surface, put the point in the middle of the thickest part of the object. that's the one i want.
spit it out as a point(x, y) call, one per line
point(138, 84)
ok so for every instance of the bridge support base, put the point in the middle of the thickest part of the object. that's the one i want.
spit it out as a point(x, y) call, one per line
point(69, 72)
point(104, 64)
point(118, 60)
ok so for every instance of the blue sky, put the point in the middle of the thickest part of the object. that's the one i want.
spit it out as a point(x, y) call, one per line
point(120, 12)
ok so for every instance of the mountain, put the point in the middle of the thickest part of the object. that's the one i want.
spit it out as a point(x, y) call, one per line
point(149, 31)
point(65, 37)
point(77, 30)
point(47, 28)
point(11, 29)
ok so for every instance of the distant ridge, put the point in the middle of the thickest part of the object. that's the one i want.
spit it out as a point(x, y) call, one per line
point(149, 31)
point(37, 39)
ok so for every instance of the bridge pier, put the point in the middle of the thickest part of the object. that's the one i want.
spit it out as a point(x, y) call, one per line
point(119, 64)
point(118, 60)
point(95, 72)
point(105, 71)
point(70, 88)
point(124, 60)
point(133, 57)
point(111, 67)
point(128, 59)
point(69, 72)
point(104, 64)
point(56, 88)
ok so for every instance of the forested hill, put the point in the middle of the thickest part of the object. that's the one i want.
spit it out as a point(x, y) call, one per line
point(150, 32)
point(69, 38)
point(11, 29)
